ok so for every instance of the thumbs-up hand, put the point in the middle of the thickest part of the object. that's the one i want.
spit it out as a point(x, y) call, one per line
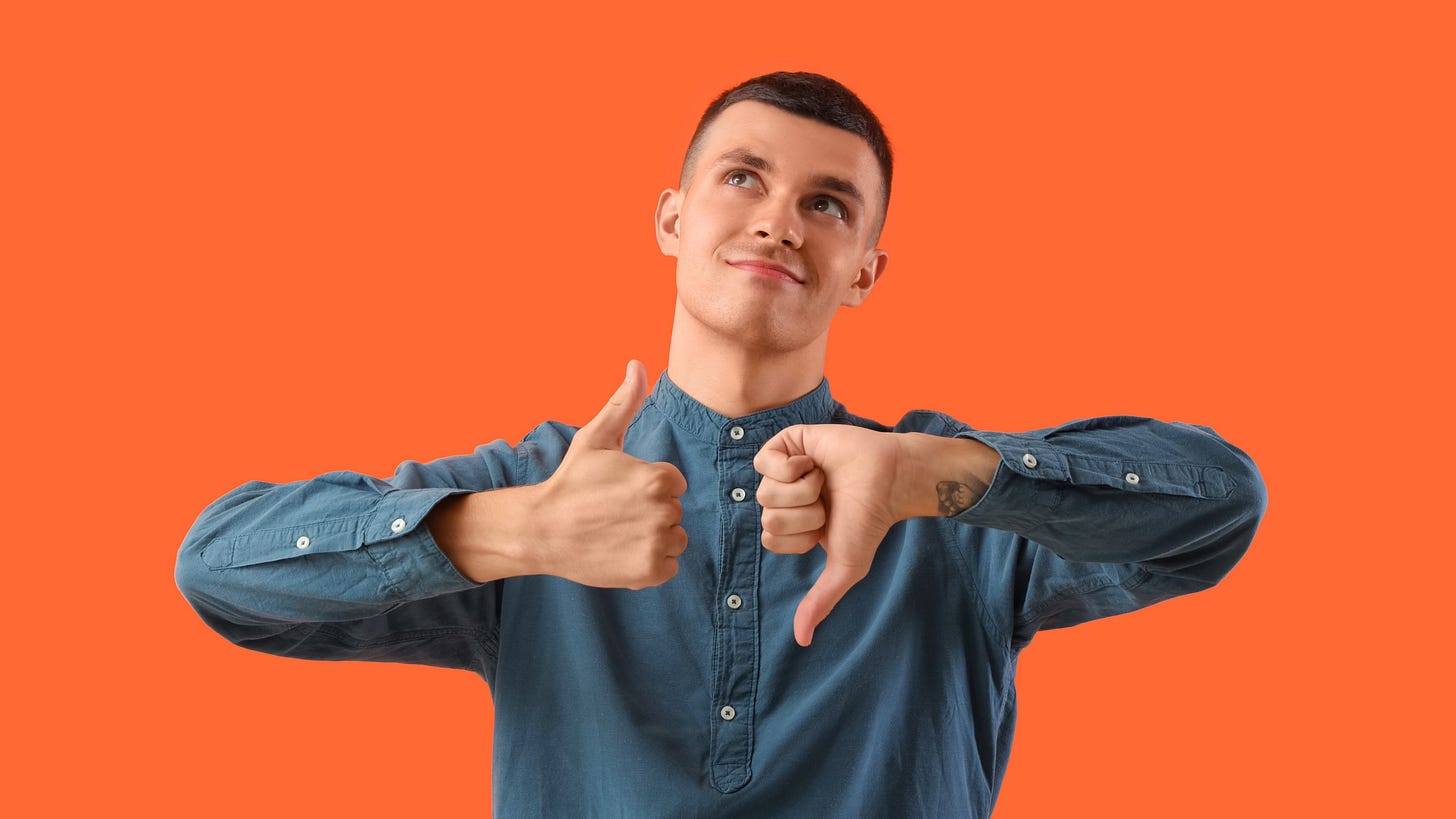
point(841, 487)
point(605, 518)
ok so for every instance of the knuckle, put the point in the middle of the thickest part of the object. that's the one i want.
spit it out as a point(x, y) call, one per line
point(760, 460)
point(666, 479)
point(771, 522)
point(765, 493)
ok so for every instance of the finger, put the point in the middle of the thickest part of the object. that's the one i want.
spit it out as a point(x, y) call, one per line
point(781, 467)
point(791, 544)
point(609, 427)
point(804, 491)
point(793, 520)
point(677, 538)
point(668, 512)
point(782, 457)
point(669, 479)
point(828, 590)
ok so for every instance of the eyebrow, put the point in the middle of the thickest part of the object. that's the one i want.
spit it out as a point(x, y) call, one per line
point(743, 156)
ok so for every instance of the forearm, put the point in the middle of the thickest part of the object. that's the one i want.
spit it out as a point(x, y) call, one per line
point(339, 547)
point(486, 535)
point(1174, 497)
point(946, 476)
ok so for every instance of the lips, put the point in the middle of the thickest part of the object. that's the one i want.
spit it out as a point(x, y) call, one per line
point(764, 267)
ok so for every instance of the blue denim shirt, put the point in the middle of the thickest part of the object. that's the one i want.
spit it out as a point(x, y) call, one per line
point(692, 698)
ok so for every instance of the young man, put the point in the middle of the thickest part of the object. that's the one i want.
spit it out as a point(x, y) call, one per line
point(643, 594)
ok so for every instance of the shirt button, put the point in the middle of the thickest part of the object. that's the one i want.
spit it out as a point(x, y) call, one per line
point(734, 601)
point(302, 542)
point(738, 493)
point(397, 526)
point(1030, 460)
point(727, 712)
point(736, 433)
point(1132, 478)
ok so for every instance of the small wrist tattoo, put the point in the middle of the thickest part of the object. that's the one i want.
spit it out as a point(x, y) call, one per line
point(956, 497)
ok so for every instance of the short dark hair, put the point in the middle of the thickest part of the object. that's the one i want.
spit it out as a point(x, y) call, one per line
point(808, 95)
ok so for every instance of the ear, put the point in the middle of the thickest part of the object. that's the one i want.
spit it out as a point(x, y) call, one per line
point(869, 275)
point(669, 205)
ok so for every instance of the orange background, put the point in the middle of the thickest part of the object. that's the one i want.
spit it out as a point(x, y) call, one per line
point(271, 240)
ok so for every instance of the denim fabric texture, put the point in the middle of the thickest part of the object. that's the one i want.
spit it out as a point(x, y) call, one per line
point(616, 703)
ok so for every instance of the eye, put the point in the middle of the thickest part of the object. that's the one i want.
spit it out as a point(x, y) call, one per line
point(831, 206)
point(742, 179)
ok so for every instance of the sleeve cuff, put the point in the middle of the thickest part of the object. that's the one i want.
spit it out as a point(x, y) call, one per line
point(397, 539)
point(1029, 484)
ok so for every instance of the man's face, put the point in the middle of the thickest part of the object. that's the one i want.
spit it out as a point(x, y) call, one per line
point(773, 190)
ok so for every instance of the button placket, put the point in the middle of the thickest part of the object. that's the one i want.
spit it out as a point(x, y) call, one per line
point(736, 627)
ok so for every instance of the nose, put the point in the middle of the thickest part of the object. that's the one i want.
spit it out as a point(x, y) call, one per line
point(779, 222)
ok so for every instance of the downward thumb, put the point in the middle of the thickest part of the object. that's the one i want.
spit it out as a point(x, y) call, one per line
point(607, 430)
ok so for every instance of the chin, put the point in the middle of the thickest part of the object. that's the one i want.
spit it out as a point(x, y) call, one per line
point(766, 336)
point(748, 322)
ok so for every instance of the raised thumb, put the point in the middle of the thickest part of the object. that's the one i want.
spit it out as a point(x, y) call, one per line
point(609, 428)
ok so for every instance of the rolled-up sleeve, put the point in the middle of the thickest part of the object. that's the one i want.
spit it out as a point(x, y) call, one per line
point(342, 566)
point(1106, 515)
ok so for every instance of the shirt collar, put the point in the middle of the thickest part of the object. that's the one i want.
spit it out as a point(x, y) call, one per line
point(815, 407)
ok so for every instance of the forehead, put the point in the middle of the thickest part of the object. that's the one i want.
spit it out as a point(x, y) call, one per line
point(796, 146)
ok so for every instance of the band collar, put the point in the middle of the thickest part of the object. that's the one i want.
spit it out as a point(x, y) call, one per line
point(815, 407)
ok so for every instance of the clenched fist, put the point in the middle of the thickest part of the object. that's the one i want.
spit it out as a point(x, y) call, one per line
point(835, 486)
point(602, 519)
point(842, 487)
point(605, 518)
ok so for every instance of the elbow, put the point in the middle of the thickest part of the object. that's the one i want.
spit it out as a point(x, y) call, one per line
point(1250, 493)
point(197, 584)
point(1219, 533)
point(221, 604)
point(1247, 501)
point(206, 589)
point(189, 573)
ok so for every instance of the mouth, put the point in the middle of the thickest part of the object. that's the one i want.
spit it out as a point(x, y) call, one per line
point(766, 268)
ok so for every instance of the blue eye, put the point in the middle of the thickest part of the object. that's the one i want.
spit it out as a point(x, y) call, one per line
point(830, 206)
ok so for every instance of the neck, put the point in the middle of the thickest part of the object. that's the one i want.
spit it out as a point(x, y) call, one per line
point(735, 380)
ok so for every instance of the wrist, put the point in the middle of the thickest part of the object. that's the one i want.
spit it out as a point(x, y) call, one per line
point(486, 534)
point(943, 477)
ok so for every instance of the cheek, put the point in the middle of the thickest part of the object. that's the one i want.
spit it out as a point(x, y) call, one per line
point(710, 219)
